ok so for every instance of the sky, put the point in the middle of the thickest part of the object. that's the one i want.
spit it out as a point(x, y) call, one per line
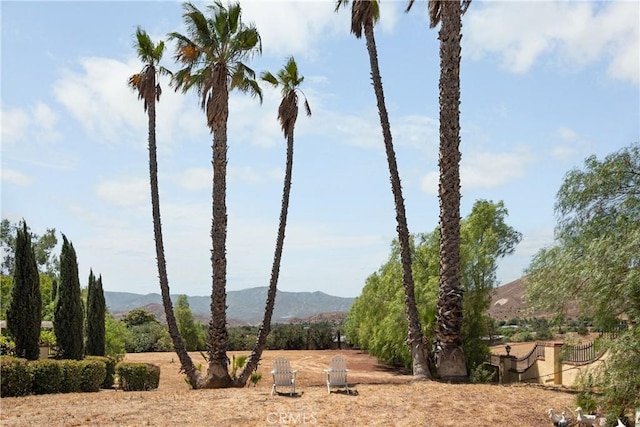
point(544, 85)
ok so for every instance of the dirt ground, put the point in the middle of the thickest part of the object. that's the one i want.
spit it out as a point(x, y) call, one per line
point(382, 397)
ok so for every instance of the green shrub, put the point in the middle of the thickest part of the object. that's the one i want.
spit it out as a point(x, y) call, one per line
point(110, 365)
point(481, 375)
point(137, 376)
point(523, 336)
point(93, 375)
point(15, 377)
point(7, 346)
point(71, 375)
point(47, 376)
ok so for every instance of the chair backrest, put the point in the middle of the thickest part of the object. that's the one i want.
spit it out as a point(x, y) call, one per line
point(281, 371)
point(338, 363)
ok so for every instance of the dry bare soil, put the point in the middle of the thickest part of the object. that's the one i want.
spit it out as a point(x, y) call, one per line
point(383, 397)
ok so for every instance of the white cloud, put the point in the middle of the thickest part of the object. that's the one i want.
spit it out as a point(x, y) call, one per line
point(15, 177)
point(45, 123)
point(483, 170)
point(574, 34)
point(195, 179)
point(569, 145)
point(255, 123)
point(293, 27)
point(124, 192)
point(99, 98)
point(14, 125)
point(36, 126)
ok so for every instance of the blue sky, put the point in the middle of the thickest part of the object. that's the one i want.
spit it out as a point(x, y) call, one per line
point(544, 85)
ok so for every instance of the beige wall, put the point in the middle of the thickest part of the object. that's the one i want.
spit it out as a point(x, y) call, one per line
point(550, 370)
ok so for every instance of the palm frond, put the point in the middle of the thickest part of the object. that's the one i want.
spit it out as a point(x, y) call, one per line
point(234, 14)
point(307, 107)
point(243, 79)
point(269, 78)
point(341, 3)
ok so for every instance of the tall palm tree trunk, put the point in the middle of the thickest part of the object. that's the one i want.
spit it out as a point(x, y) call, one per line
point(450, 352)
point(420, 366)
point(185, 361)
point(218, 374)
point(261, 340)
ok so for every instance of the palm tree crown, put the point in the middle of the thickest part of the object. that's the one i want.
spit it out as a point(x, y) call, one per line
point(289, 80)
point(213, 52)
point(363, 12)
point(434, 8)
point(145, 81)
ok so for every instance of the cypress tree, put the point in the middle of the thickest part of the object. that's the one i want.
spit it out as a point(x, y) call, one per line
point(25, 309)
point(68, 316)
point(95, 326)
point(54, 290)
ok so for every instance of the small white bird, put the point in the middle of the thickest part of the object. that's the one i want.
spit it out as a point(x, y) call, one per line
point(585, 419)
point(620, 423)
point(558, 420)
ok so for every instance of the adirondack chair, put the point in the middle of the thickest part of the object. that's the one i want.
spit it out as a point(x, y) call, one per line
point(337, 373)
point(283, 376)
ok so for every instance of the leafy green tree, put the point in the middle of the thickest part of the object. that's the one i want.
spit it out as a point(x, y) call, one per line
point(68, 315)
point(375, 319)
point(95, 319)
point(138, 316)
point(42, 246)
point(595, 260)
point(191, 332)
point(117, 337)
point(25, 309)
point(213, 52)
point(485, 238)
point(364, 15)
point(6, 284)
point(147, 337)
point(46, 290)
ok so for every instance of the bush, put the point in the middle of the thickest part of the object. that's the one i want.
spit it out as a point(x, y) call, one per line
point(93, 375)
point(481, 375)
point(15, 377)
point(7, 346)
point(110, 366)
point(523, 336)
point(71, 375)
point(137, 376)
point(47, 376)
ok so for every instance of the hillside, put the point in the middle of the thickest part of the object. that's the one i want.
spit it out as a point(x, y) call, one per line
point(508, 301)
point(244, 307)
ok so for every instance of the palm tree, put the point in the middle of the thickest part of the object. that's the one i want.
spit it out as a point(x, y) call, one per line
point(364, 15)
point(289, 80)
point(145, 83)
point(450, 358)
point(212, 52)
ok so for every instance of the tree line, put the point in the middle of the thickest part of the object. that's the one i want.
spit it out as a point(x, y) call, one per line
point(376, 322)
point(79, 328)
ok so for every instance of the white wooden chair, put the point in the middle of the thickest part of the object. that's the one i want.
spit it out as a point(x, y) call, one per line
point(283, 376)
point(337, 373)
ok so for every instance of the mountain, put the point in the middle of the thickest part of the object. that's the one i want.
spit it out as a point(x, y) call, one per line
point(243, 307)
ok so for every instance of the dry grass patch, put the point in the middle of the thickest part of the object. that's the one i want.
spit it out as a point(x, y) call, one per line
point(385, 397)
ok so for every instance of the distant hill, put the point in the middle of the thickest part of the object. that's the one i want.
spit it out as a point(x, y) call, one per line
point(244, 307)
point(508, 302)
